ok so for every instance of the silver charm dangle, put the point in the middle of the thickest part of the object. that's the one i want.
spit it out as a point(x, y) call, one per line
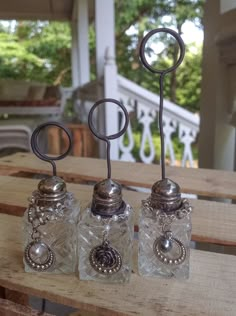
point(165, 248)
point(39, 256)
point(105, 259)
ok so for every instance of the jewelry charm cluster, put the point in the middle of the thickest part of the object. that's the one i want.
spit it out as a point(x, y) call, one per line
point(106, 229)
point(165, 232)
point(51, 212)
point(163, 244)
point(104, 258)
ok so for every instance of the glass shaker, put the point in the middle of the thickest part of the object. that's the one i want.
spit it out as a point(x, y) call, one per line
point(165, 219)
point(105, 230)
point(50, 221)
point(165, 232)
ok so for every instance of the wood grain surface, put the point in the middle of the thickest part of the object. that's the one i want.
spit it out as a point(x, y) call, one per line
point(213, 183)
point(210, 291)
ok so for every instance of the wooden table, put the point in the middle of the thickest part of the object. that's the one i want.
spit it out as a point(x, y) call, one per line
point(211, 289)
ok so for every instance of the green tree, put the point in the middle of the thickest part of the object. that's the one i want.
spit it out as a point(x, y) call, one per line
point(15, 60)
point(162, 13)
point(36, 51)
point(41, 51)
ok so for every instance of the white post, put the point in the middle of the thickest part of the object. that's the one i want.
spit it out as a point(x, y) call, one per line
point(74, 56)
point(80, 43)
point(217, 137)
point(105, 45)
point(112, 111)
point(105, 32)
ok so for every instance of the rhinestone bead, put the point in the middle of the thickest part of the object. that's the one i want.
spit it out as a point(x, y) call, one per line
point(107, 227)
point(99, 217)
point(115, 218)
point(126, 212)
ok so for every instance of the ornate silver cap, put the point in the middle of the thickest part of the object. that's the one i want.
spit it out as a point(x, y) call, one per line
point(166, 195)
point(52, 189)
point(107, 198)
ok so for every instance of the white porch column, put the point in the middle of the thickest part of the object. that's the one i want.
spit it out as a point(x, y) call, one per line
point(80, 44)
point(105, 45)
point(217, 136)
point(105, 32)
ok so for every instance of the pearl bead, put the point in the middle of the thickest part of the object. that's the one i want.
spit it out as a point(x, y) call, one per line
point(98, 217)
point(107, 227)
point(165, 244)
point(115, 218)
point(39, 253)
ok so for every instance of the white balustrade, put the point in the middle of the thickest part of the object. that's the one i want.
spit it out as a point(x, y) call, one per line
point(176, 121)
point(144, 105)
point(169, 127)
point(126, 150)
point(146, 116)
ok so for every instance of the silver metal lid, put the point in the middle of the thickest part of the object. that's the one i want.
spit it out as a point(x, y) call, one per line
point(107, 198)
point(166, 195)
point(52, 189)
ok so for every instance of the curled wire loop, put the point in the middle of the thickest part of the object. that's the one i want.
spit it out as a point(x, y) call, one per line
point(162, 73)
point(178, 40)
point(42, 156)
point(109, 137)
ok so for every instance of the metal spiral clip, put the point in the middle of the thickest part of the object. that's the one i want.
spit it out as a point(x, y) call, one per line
point(107, 194)
point(50, 195)
point(107, 201)
point(165, 195)
point(162, 74)
point(42, 156)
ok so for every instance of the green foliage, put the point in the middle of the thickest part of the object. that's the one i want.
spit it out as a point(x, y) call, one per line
point(182, 87)
point(189, 76)
point(41, 51)
point(15, 59)
point(37, 51)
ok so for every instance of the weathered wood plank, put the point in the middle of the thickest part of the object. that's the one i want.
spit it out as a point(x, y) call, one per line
point(211, 289)
point(8, 308)
point(213, 222)
point(16, 297)
point(214, 183)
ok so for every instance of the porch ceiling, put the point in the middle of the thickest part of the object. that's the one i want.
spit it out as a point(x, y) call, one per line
point(40, 9)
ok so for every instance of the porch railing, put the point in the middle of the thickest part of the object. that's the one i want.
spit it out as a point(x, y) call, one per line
point(179, 124)
point(181, 127)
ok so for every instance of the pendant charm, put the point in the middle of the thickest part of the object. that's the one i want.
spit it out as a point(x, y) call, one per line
point(39, 256)
point(169, 250)
point(105, 259)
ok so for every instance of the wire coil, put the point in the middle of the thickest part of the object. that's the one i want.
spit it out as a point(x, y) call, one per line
point(162, 73)
point(109, 137)
point(44, 157)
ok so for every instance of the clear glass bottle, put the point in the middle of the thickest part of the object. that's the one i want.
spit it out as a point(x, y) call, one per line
point(105, 236)
point(165, 232)
point(50, 229)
